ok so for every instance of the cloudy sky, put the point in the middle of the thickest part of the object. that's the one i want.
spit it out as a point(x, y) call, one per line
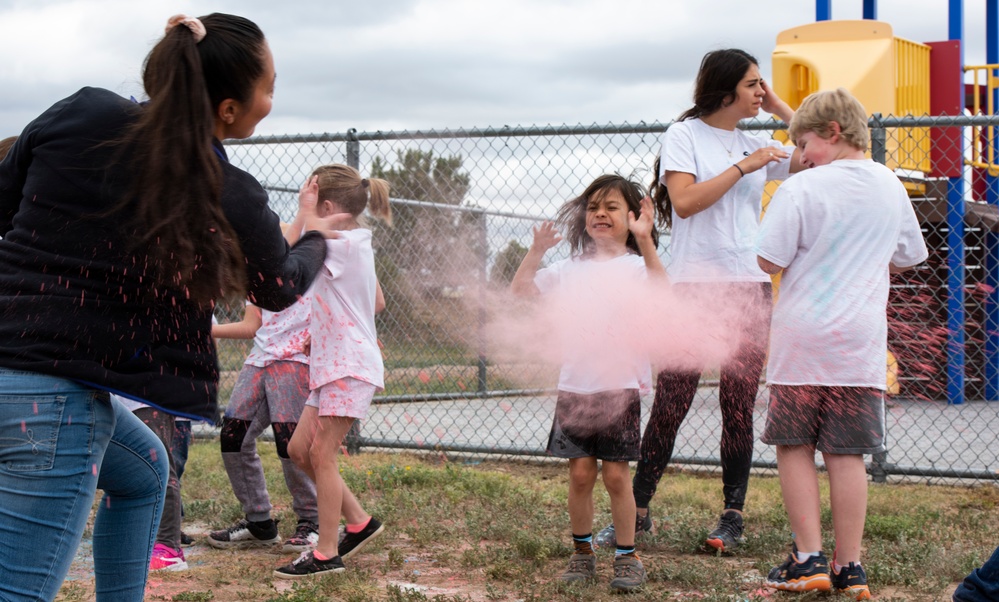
point(409, 64)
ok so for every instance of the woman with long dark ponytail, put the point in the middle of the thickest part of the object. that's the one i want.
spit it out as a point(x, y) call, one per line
point(708, 190)
point(122, 223)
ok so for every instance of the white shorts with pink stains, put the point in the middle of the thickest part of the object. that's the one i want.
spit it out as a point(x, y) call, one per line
point(347, 397)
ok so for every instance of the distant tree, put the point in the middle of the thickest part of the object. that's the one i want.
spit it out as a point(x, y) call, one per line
point(433, 247)
point(507, 262)
point(420, 177)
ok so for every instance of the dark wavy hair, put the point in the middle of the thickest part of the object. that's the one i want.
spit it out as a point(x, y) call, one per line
point(717, 79)
point(571, 217)
point(176, 186)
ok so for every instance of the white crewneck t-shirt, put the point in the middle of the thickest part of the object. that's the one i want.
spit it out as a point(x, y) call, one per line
point(716, 245)
point(835, 229)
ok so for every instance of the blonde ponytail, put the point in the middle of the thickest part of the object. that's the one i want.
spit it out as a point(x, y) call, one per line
point(378, 200)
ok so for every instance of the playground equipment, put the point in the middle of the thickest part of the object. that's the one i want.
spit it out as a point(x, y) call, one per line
point(909, 87)
point(888, 74)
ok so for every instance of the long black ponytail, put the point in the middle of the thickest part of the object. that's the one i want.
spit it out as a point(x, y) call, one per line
point(176, 190)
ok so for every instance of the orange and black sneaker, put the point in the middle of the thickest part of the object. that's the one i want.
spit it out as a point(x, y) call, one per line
point(851, 580)
point(793, 576)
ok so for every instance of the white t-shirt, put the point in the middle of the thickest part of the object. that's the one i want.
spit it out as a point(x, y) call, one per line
point(130, 404)
point(716, 245)
point(835, 228)
point(344, 342)
point(282, 335)
point(590, 303)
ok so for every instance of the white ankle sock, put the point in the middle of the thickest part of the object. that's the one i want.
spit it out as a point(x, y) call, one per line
point(803, 556)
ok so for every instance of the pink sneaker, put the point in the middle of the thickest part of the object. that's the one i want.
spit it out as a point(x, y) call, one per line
point(167, 559)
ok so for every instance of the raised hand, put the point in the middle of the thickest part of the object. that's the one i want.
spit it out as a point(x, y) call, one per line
point(641, 226)
point(774, 105)
point(545, 237)
point(308, 195)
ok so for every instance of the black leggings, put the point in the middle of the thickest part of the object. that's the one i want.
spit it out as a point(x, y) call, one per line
point(740, 377)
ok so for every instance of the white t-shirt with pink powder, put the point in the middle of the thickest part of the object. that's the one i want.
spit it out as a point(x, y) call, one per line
point(835, 229)
point(282, 335)
point(344, 341)
point(589, 303)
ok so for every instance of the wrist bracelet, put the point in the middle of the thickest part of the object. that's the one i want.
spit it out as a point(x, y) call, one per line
point(741, 173)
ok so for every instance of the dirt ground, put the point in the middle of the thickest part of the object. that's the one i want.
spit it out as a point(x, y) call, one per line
point(230, 576)
point(418, 573)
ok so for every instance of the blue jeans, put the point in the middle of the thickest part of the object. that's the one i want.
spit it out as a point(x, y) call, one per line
point(982, 585)
point(59, 442)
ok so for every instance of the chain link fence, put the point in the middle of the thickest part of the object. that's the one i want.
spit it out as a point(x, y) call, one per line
point(465, 203)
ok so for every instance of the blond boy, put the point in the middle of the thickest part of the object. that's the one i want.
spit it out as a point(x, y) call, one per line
point(836, 230)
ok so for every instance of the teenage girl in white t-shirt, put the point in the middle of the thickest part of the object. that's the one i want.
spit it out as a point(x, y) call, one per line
point(709, 191)
point(346, 367)
point(598, 408)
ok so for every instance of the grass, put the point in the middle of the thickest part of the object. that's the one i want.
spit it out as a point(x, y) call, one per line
point(499, 531)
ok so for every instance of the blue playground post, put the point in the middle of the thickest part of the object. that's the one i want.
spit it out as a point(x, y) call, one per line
point(871, 9)
point(991, 239)
point(955, 245)
point(823, 10)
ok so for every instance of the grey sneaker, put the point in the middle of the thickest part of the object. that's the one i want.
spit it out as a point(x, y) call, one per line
point(582, 567)
point(629, 574)
point(607, 537)
point(244, 535)
point(305, 538)
point(728, 534)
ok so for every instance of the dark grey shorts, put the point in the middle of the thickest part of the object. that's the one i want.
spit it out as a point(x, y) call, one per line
point(836, 420)
point(604, 425)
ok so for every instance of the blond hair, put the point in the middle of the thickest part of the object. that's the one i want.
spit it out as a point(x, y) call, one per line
point(820, 109)
point(344, 186)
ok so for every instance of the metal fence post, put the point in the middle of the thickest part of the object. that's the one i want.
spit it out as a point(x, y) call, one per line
point(879, 153)
point(353, 149)
point(879, 140)
point(483, 284)
point(352, 440)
